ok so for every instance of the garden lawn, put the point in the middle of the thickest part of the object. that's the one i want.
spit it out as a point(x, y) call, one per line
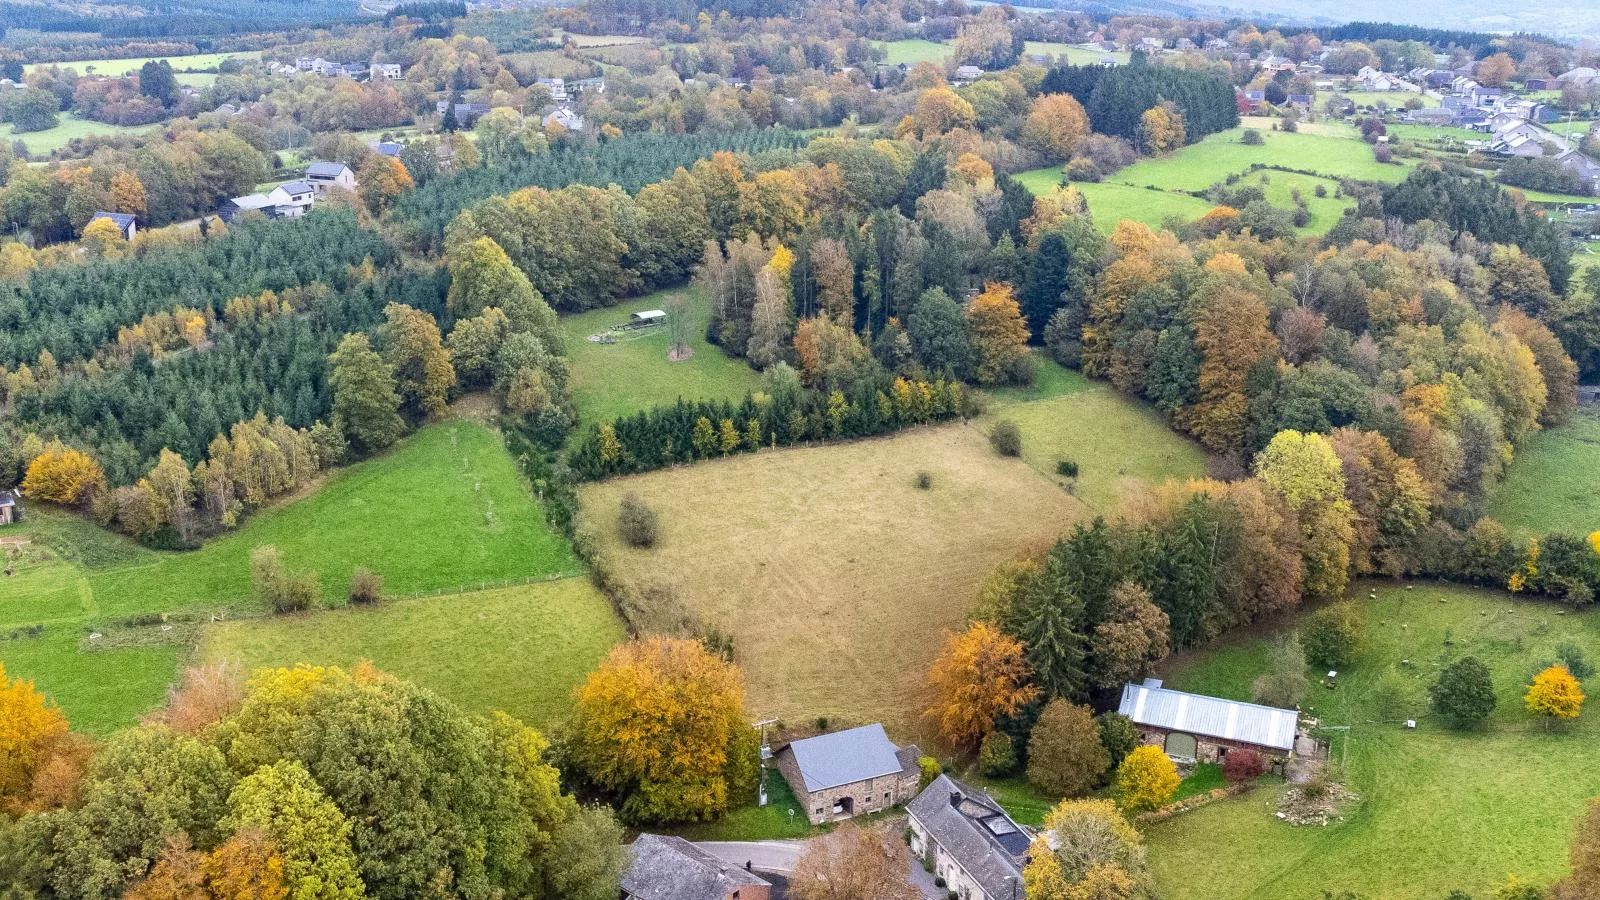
point(1552, 485)
point(612, 380)
point(1111, 204)
point(834, 574)
point(520, 649)
point(1119, 444)
point(69, 127)
point(98, 690)
point(1440, 809)
point(912, 52)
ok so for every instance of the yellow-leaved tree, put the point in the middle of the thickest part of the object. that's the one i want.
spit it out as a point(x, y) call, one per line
point(999, 335)
point(1555, 694)
point(1146, 780)
point(1086, 851)
point(63, 475)
point(661, 725)
point(29, 723)
point(979, 675)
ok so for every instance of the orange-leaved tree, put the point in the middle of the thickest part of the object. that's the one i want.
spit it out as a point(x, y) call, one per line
point(1555, 694)
point(979, 675)
point(661, 725)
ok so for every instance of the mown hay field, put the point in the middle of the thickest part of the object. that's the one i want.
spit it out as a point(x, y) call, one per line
point(834, 573)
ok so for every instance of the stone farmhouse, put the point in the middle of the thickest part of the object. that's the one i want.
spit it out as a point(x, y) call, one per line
point(835, 776)
point(974, 846)
point(1196, 728)
point(671, 868)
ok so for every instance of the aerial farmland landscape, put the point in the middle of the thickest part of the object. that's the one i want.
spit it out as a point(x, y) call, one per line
point(761, 449)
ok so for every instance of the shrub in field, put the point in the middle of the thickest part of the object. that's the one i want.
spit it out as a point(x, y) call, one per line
point(277, 587)
point(1067, 468)
point(1331, 636)
point(1006, 438)
point(924, 480)
point(366, 586)
point(1252, 137)
point(637, 522)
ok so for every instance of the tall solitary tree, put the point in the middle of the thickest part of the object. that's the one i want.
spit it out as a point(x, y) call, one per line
point(1464, 692)
point(365, 401)
point(979, 676)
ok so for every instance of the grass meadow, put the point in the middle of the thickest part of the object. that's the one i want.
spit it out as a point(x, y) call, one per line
point(1118, 444)
point(912, 52)
point(1153, 190)
point(520, 649)
point(443, 512)
point(1552, 483)
point(835, 575)
point(1439, 809)
point(611, 380)
point(68, 128)
point(185, 64)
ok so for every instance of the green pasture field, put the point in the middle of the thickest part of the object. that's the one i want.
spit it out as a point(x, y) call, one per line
point(612, 380)
point(912, 52)
point(1119, 444)
point(69, 126)
point(443, 512)
point(188, 64)
point(1439, 809)
point(1552, 485)
point(519, 649)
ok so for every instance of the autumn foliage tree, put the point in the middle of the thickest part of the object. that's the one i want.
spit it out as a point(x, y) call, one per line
point(63, 475)
point(29, 724)
point(978, 676)
point(1555, 694)
point(1146, 780)
point(852, 862)
point(661, 725)
point(1065, 755)
point(1055, 126)
point(999, 336)
point(1087, 851)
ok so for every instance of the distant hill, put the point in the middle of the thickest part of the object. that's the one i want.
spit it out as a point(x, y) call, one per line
point(1573, 19)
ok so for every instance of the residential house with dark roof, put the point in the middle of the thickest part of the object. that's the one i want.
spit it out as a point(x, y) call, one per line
point(1197, 728)
point(671, 868)
point(8, 507)
point(973, 845)
point(835, 776)
point(126, 223)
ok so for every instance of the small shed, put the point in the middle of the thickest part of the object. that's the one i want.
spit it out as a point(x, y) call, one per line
point(645, 318)
point(8, 508)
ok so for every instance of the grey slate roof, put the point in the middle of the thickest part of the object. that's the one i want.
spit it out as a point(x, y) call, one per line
point(296, 187)
point(671, 868)
point(121, 220)
point(845, 757)
point(975, 831)
point(1264, 726)
point(326, 169)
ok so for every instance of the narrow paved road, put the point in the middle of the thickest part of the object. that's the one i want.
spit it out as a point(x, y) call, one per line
point(763, 856)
